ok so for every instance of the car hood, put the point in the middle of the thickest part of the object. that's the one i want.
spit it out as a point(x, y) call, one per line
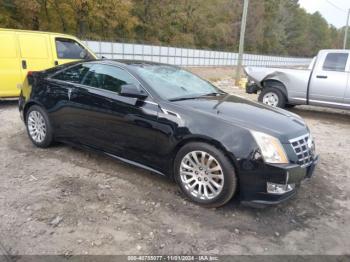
point(251, 115)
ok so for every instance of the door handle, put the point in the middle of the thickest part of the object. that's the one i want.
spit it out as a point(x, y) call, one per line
point(70, 91)
point(323, 77)
point(56, 63)
point(24, 64)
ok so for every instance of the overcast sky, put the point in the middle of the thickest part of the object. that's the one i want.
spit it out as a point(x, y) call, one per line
point(334, 11)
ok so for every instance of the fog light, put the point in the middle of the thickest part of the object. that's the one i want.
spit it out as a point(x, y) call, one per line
point(279, 189)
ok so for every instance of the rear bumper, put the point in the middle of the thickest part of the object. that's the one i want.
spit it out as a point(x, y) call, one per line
point(21, 103)
point(254, 186)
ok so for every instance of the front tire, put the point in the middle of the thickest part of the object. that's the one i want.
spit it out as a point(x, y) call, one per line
point(205, 175)
point(273, 97)
point(38, 127)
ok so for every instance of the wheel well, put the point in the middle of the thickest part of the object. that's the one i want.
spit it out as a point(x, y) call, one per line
point(276, 84)
point(207, 141)
point(26, 108)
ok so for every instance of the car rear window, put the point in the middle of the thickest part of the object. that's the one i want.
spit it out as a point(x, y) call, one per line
point(73, 74)
point(108, 77)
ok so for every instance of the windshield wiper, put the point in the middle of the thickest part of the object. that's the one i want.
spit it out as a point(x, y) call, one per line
point(183, 98)
point(214, 94)
point(195, 97)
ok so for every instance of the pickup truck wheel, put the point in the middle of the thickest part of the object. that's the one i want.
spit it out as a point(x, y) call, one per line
point(272, 97)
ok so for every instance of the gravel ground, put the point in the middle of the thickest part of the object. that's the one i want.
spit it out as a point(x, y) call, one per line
point(63, 200)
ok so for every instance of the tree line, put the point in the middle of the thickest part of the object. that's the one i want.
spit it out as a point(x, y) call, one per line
point(278, 27)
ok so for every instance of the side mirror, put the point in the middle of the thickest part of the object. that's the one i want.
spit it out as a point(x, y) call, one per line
point(131, 90)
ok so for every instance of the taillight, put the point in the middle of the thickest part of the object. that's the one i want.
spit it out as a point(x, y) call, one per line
point(30, 77)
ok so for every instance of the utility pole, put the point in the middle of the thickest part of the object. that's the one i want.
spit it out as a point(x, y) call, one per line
point(241, 40)
point(346, 30)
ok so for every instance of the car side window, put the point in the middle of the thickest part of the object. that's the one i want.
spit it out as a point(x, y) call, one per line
point(335, 62)
point(70, 49)
point(73, 74)
point(108, 77)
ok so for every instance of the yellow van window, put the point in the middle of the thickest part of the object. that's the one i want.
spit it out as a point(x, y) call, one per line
point(33, 46)
point(7, 46)
point(70, 49)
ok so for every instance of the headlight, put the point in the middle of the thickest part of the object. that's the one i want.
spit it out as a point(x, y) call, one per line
point(271, 148)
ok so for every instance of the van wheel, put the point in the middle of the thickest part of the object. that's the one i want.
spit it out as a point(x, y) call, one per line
point(205, 175)
point(273, 97)
point(38, 127)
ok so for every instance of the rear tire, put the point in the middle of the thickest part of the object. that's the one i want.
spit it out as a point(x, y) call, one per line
point(39, 127)
point(205, 175)
point(273, 97)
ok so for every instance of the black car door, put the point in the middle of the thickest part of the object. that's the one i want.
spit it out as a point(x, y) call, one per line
point(123, 126)
point(58, 91)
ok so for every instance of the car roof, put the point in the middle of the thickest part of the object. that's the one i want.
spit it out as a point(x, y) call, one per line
point(123, 63)
point(335, 50)
point(127, 62)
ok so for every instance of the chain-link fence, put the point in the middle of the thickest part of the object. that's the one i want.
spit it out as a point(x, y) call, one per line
point(188, 57)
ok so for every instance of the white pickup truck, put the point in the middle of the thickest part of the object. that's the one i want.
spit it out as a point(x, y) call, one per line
point(325, 83)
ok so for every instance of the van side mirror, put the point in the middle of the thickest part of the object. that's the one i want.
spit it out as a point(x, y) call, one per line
point(131, 90)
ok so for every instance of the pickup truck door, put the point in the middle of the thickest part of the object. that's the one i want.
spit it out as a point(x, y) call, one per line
point(329, 79)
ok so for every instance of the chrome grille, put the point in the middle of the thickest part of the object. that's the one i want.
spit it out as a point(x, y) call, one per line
point(303, 148)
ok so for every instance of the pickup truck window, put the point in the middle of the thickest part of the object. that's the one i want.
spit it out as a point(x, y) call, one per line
point(335, 62)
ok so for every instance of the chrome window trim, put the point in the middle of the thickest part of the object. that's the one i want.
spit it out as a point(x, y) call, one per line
point(100, 89)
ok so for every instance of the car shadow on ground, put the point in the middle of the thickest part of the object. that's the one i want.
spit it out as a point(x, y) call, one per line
point(8, 103)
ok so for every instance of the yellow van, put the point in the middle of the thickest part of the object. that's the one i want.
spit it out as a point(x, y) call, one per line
point(22, 51)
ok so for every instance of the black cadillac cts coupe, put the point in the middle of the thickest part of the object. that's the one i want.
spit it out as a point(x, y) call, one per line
point(171, 122)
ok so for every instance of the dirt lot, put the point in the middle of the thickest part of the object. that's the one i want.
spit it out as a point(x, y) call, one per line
point(63, 200)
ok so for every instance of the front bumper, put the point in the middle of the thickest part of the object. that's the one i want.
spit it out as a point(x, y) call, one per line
point(253, 185)
point(251, 88)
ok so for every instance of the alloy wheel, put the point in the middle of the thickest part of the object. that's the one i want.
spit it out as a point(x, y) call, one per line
point(36, 126)
point(201, 175)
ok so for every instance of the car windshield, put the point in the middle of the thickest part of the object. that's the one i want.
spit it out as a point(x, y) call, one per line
point(173, 83)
